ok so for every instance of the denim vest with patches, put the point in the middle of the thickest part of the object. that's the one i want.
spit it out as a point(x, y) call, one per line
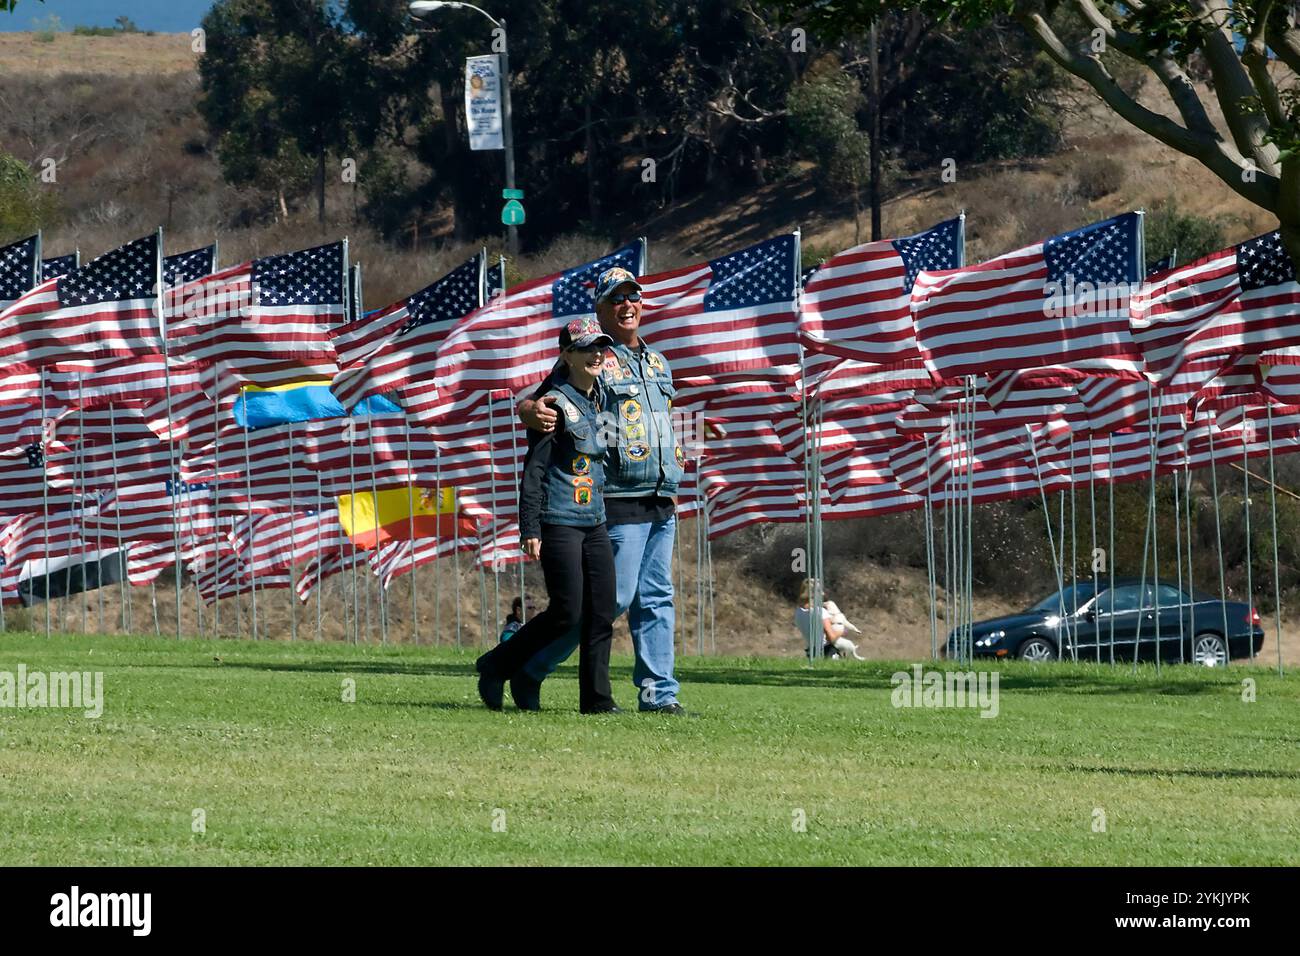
point(638, 397)
point(575, 477)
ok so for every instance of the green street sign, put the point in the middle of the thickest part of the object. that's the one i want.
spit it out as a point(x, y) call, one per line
point(512, 194)
point(512, 213)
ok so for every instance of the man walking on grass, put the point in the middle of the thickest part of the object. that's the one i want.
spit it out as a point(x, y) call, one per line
point(642, 475)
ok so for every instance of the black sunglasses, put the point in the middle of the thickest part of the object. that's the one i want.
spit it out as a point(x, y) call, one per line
point(624, 297)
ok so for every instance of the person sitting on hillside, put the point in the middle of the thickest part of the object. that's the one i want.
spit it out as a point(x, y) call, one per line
point(833, 625)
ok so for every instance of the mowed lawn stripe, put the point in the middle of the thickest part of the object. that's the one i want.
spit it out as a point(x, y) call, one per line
point(415, 771)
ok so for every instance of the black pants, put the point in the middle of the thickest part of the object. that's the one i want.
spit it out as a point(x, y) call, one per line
point(578, 564)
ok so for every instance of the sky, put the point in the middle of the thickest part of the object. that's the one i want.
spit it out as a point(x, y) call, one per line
point(164, 16)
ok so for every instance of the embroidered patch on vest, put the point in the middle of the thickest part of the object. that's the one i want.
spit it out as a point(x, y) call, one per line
point(638, 451)
point(582, 490)
point(632, 410)
point(581, 465)
point(680, 456)
point(570, 410)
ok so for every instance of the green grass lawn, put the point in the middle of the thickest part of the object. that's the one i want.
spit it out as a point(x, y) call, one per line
point(416, 771)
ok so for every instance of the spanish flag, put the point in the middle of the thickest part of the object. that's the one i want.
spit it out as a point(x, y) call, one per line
point(396, 514)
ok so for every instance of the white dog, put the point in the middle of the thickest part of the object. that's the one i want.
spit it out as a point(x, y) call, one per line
point(840, 624)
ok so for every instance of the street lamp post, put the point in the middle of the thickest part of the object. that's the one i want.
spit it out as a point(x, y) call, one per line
point(507, 130)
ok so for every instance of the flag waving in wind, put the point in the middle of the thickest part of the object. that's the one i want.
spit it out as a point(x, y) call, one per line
point(1063, 301)
point(858, 304)
point(106, 309)
point(729, 316)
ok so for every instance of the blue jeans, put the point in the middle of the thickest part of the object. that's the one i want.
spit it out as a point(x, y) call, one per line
point(643, 566)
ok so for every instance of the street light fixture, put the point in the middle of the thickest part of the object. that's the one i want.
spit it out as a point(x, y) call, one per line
point(507, 132)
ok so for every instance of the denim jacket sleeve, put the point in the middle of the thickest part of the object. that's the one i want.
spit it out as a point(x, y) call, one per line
point(531, 492)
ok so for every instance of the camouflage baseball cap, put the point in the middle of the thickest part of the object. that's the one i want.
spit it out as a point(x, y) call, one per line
point(611, 279)
point(581, 332)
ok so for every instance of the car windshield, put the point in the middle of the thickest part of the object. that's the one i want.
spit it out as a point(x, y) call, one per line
point(1071, 598)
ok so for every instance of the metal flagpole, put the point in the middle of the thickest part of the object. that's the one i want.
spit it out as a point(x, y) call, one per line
point(1178, 554)
point(1155, 522)
point(515, 426)
point(1191, 585)
point(1074, 559)
point(1146, 533)
point(173, 462)
point(379, 583)
point(1250, 554)
point(496, 551)
point(216, 514)
point(117, 507)
point(1218, 538)
point(77, 491)
point(350, 431)
point(699, 570)
point(1092, 521)
point(248, 490)
point(708, 566)
point(947, 567)
point(320, 566)
point(1277, 587)
point(1060, 543)
point(1047, 519)
point(153, 602)
point(85, 591)
point(929, 558)
point(814, 648)
point(1110, 555)
point(45, 505)
point(482, 596)
point(437, 554)
point(970, 523)
point(293, 544)
point(455, 570)
point(410, 491)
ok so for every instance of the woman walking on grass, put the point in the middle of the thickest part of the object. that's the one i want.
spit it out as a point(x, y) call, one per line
point(562, 522)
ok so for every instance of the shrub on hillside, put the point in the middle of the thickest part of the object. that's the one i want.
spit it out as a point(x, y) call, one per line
point(1169, 229)
point(1097, 176)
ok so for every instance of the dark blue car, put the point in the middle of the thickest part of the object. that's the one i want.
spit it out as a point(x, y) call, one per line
point(1107, 624)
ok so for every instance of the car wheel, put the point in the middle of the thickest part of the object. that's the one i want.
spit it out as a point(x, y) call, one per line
point(1209, 650)
point(1037, 649)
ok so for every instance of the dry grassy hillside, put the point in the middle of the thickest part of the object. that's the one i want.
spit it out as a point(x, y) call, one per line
point(117, 114)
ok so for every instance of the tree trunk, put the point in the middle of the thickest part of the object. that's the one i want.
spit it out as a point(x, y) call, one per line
point(320, 184)
point(1288, 210)
point(593, 203)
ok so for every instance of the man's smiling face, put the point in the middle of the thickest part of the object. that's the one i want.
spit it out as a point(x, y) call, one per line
point(620, 319)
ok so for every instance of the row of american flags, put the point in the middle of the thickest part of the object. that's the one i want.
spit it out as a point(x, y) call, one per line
point(219, 418)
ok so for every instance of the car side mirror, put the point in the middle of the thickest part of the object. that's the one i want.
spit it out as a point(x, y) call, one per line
point(1090, 615)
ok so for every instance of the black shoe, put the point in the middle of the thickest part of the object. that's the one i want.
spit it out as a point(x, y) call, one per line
point(526, 692)
point(604, 709)
point(673, 710)
point(490, 688)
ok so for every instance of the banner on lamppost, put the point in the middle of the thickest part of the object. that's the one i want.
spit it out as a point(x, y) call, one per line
point(483, 101)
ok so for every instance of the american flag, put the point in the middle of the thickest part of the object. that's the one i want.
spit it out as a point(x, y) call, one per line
point(59, 265)
point(272, 312)
point(398, 345)
point(1241, 300)
point(138, 379)
point(728, 318)
point(182, 267)
point(1059, 302)
point(858, 304)
point(105, 309)
point(510, 342)
point(19, 269)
